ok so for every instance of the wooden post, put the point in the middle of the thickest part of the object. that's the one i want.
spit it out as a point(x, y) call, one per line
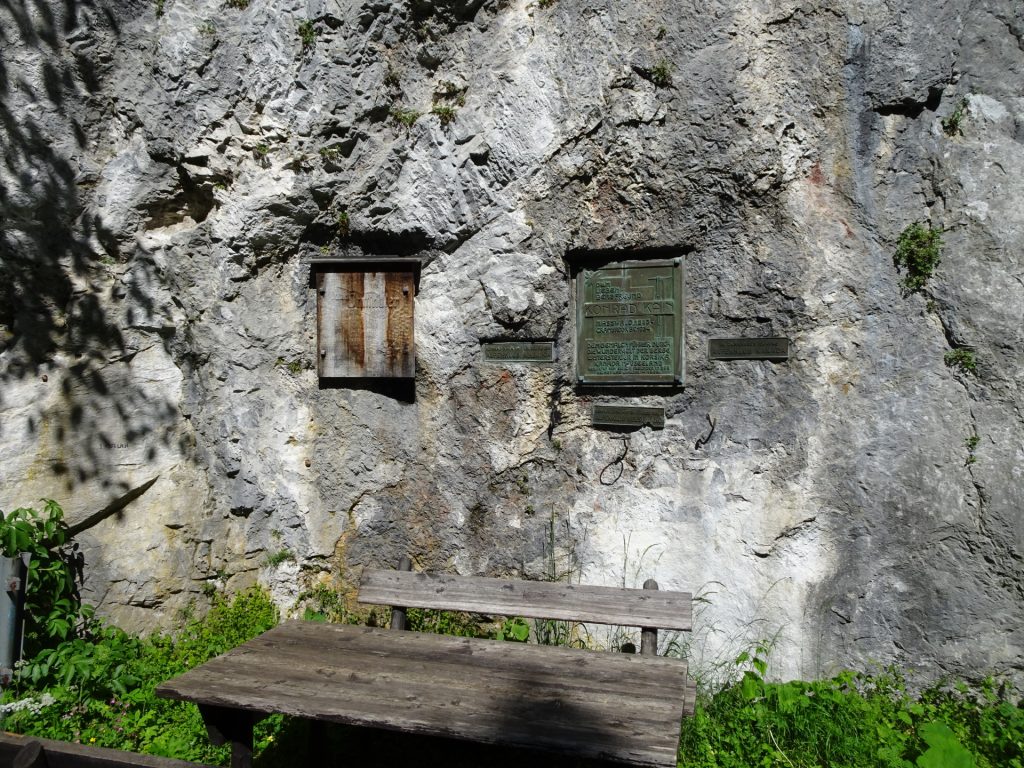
point(649, 635)
point(398, 612)
point(225, 725)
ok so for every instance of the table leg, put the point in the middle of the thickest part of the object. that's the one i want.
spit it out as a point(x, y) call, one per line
point(231, 725)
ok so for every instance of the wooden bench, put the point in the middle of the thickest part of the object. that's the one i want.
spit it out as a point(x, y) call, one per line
point(610, 706)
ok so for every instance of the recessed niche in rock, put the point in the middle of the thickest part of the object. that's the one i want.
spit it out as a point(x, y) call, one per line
point(629, 323)
point(364, 318)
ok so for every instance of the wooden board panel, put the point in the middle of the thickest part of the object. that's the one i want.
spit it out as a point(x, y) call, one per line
point(365, 323)
point(62, 754)
point(585, 703)
point(533, 599)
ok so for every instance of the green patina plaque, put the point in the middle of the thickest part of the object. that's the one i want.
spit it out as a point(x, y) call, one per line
point(628, 416)
point(757, 348)
point(519, 351)
point(629, 323)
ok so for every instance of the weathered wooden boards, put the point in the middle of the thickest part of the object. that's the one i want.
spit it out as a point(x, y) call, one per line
point(584, 703)
point(365, 321)
point(45, 753)
point(533, 599)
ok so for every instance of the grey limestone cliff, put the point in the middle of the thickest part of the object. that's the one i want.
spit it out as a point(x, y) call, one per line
point(171, 167)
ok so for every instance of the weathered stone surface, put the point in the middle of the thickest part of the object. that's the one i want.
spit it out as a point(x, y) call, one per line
point(167, 178)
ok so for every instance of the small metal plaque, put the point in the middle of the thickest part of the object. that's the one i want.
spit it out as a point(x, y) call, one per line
point(628, 416)
point(519, 352)
point(773, 348)
point(629, 323)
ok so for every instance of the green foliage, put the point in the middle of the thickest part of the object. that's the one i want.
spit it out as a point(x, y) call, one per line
point(206, 29)
point(293, 367)
point(953, 125)
point(344, 225)
point(307, 34)
point(159, 8)
point(661, 73)
point(100, 686)
point(971, 443)
point(453, 623)
point(961, 359)
point(53, 609)
point(406, 117)
point(545, 3)
point(850, 721)
point(515, 630)
point(274, 559)
point(331, 154)
point(917, 252)
point(445, 113)
point(261, 151)
point(239, 5)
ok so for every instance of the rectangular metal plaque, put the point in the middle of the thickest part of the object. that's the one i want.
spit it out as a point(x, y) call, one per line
point(628, 416)
point(519, 352)
point(629, 323)
point(773, 348)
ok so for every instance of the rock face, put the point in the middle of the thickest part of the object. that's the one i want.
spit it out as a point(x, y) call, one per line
point(171, 168)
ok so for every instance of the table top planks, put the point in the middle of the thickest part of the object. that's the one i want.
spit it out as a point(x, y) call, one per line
point(532, 599)
point(586, 703)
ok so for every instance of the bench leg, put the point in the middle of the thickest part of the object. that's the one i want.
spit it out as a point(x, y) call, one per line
point(231, 725)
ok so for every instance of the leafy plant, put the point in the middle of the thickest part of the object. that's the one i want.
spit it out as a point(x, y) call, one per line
point(918, 252)
point(515, 630)
point(261, 151)
point(661, 73)
point(344, 225)
point(961, 359)
point(971, 443)
point(159, 8)
point(953, 125)
point(307, 34)
point(53, 608)
point(406, 117)
point(239, 5)
point(445, 113)
point(98, 689)
point(274, 559)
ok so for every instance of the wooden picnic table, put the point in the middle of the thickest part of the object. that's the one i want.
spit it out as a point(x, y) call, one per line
point(611, 706)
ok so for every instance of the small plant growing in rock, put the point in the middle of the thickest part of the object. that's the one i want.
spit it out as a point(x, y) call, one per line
point(206, 29)
point(261, 151)
point(661, 74)
point(448, 91)
point(392, 79)
point(545, 3)
point(344, 225)
point(406, 117)
point(274, 559)
point(239, 5)
point(445, 113)
point(159, 8)
point(307, 34)
point(971, 444)
point(917, 252)
point(331, 154)
point(953, 125)
point(961, 359)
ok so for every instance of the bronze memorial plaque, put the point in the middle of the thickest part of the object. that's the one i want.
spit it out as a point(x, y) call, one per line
point(756, 348)
point(519, 351)
point(629, 323)
point(628, 416)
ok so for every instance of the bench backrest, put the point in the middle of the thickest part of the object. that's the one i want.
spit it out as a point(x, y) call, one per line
point(530, 599)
